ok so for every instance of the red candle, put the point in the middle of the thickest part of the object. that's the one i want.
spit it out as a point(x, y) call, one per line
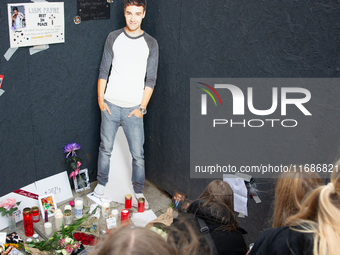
point(141, 204)
point(124, 217)
point(35, 214)
point(128, 201)
point(28, 222)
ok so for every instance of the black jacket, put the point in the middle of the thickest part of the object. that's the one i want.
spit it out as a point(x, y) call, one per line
point(226, 242)
point(283, 241)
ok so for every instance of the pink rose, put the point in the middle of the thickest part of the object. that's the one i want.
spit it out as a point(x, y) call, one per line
point(1, 204)
point(71, 203)
point(9, 203)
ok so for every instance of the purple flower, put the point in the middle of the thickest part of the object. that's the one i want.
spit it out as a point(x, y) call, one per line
point(71, 148)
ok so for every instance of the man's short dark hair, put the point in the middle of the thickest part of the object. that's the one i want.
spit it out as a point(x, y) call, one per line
point(15, 9)
point(135, 2)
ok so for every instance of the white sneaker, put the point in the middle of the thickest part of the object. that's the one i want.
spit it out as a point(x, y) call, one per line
point(139, 195)
point(99, 191)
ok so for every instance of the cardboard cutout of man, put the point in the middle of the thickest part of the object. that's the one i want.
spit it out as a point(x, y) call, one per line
point(133, 55)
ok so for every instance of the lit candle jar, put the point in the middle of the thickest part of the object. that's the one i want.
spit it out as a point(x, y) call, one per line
point(78, 207)
point(124, 217)
point(48, 228)
point(105, 209)
point(28, 222)
point(128, 201)
point(58, 219)
point(35, 213)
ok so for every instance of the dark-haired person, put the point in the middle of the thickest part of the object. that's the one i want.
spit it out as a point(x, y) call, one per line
point(216, 208)
point(133, 56)
point(17, 18)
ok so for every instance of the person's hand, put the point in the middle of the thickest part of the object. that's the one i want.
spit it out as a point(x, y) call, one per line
point(136, 112)
point(103, 106)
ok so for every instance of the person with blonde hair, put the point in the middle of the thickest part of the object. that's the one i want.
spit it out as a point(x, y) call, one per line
point(290, 190)
point(315, 229)
point(215, 207)
point(136, 241)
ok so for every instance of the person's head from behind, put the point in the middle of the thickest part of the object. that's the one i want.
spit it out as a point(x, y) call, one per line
point(136, 241)
point(219, 199)
point(320, 215)
point(134, 12)
point(219, 192)
point(291, 188)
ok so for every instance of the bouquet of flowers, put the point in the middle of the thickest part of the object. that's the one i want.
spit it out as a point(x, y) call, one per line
point(67, 246)
point(9, 206)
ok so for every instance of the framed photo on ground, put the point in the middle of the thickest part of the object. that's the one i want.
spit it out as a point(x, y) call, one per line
point(178, 200)
point(84, 175)
point(48, 203)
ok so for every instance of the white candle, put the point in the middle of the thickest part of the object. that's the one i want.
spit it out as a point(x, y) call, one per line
point(58, 219)
point(105, 209)
point(48, 228)
point(115, 214)
point(78, 207)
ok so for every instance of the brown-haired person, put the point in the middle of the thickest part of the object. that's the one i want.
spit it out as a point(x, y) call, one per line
point(315, 229)
point(290, 190)
point(216, 208)
point(136, 241)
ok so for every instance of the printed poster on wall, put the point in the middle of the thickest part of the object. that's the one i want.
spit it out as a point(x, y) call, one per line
point(35, 23)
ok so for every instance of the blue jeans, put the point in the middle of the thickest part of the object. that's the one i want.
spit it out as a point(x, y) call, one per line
point(134, 132)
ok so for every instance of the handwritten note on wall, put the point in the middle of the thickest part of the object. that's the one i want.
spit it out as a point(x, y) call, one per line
point(93, 9)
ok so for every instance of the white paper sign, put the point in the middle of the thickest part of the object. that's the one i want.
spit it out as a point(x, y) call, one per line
point(58, 184)
point(36, 23)
point(240, 193)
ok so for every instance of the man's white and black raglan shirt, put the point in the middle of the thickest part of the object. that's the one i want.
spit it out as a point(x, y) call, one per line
point(131, 59)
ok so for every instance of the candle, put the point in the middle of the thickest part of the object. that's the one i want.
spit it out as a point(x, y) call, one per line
point(115, 214)
point(58, 219)
point(68, 214)
point(105, 209)
point(128, 201)
point(78, 207)
point(46, 216)
point(28, 222)
point(124, 217)
point(48, 228)
point(35, 213)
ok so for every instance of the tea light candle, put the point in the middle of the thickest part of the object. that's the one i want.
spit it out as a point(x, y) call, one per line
point(105, 209)
point(58, 219)
point(48, 228)
point(115, 214)
point(78, 207)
